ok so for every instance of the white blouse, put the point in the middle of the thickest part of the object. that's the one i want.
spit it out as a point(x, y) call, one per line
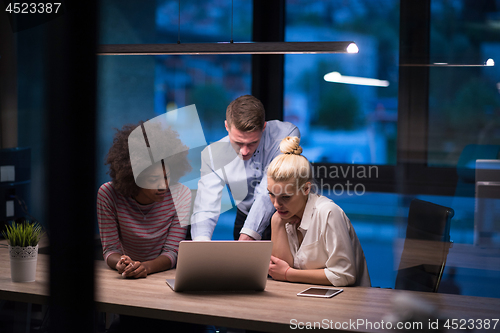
point(329, 242)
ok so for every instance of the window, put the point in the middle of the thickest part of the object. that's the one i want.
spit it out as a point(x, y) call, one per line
point(133, 88)
point(414, 131)
point(465, 110)
point(339, 122)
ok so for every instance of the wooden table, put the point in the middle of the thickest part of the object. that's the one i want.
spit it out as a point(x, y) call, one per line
point(277, 309)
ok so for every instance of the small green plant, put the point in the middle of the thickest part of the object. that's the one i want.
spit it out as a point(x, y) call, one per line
point(23, 234)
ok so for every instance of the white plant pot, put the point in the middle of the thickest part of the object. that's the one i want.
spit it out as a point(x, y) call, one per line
point(23, 263)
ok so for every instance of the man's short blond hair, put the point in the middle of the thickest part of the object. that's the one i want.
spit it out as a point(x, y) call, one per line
point(246, 114)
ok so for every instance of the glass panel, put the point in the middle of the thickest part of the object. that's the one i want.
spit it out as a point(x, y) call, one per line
point(464, 126)
point(141, 87)
point(211, 82)
point(344, 123)
point(148, 22)
point(464, 101)
point(133, 88)
point(347, 123)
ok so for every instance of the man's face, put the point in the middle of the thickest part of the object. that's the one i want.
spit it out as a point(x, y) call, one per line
point(245, 143)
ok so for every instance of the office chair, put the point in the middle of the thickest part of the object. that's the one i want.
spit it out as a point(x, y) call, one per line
point(426, 247)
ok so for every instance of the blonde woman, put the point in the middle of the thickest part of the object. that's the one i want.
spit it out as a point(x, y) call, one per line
point(314, 241)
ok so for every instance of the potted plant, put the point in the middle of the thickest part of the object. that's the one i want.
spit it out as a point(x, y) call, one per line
point(23, 241)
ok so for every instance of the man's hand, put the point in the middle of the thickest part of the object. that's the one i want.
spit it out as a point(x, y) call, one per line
point(245, 237)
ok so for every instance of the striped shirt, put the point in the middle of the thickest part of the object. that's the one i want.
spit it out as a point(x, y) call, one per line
point(143, 234)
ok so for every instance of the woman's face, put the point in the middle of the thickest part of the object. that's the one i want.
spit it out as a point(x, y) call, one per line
point(287, 198)
point(153, 183)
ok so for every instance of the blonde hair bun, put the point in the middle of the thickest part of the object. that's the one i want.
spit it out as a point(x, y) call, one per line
point(290, 145)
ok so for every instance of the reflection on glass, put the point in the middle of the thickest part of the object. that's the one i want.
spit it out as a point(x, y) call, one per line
point(362, 81)
point(465, 110)
point(463, 129)
point(162, 21)
point(132, 88)
point(210, 82)
point(344, 123)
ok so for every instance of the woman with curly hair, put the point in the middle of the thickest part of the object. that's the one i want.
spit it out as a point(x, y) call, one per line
point(142, 219)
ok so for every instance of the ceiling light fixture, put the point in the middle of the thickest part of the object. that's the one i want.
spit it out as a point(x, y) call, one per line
point(489, 63)
point(352, 48)
point(363, 81)
point(226, 47)
point(229, 48)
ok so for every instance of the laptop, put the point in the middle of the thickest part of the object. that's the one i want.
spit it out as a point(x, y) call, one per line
point(222, 266)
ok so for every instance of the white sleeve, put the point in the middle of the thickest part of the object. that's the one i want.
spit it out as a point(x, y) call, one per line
point(341, 264)
point(260, 213)
point(207, 204)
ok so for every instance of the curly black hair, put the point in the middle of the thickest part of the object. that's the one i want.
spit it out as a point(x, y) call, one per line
point(120, 164)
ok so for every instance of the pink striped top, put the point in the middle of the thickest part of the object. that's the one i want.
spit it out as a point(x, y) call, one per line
point(142, 236)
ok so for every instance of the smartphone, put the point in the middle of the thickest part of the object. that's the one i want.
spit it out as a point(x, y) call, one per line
point(320, 292)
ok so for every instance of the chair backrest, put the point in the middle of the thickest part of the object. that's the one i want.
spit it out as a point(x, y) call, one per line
point(426, 247)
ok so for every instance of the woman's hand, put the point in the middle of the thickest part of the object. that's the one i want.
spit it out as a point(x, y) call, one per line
point(122, 263)
point(278, 268)
point(131, 269)
point(277, 221)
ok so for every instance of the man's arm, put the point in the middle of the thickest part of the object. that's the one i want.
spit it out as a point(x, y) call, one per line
point(260, 213)
point(207, 204)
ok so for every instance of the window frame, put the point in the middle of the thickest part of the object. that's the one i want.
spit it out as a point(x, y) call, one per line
point(411, 174)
